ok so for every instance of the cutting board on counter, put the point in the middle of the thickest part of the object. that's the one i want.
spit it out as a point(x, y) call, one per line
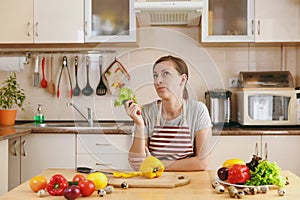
point(167, 180)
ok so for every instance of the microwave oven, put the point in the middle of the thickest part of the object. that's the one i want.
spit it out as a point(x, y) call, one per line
point(268, 107)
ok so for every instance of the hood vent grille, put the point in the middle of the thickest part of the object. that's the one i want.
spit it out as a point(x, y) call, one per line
point(168, 13)
point(169, 18)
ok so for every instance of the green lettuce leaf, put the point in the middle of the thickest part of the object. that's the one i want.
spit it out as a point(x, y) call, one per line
point(125, 94)
point(266, 173)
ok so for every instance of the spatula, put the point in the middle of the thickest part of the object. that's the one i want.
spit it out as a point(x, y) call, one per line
point(101, 88)
point(51, 85)
point(44, 81)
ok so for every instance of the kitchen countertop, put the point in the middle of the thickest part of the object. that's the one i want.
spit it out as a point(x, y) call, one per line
point(198, 188)
point(237, 130)
point(8, 132)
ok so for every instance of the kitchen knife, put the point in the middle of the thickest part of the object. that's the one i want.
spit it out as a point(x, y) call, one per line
point(88, 170)
point(36, 76)
point(116, 174)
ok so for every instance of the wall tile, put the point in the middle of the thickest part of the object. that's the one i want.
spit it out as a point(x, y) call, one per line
point(208, 65)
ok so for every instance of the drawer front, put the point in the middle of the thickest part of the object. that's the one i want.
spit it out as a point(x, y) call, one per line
point(96, 143)
point(103, 161)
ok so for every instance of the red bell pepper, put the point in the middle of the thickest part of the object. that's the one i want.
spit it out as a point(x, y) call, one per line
point(238, 174)
point(57, 185)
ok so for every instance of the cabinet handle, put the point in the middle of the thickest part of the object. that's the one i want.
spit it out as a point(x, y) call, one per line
point(266, 151)
point(28, 26)
point(15, 148)
point(258, 27)
point(23, 147)
point(103, 164)
point(256, 149)
point(85, 28)
point(252, 27)
point(98, 144)
point(36, 29)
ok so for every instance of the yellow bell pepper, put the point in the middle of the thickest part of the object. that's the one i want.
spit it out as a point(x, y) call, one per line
point(126, 174)
point(230, 162)
point(152, 167)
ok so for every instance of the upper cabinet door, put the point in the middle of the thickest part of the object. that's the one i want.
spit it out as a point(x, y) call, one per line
point(251, 21)
point(16, 21)
point(110, 21)
point(277, 21)
point(228, 21)
point(58, 21)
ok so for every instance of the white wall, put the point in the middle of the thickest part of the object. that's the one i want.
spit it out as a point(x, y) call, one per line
point(210, 67)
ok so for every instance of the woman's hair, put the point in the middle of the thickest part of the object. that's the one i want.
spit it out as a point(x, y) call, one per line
point(180, 66)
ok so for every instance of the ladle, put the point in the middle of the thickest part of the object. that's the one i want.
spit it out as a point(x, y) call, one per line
point(88, 90)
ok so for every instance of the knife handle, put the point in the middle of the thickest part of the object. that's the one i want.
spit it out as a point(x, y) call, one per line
point(36, 64)
point(86, 170)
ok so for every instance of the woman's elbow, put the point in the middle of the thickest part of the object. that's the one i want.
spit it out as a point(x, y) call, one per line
point(203, 163)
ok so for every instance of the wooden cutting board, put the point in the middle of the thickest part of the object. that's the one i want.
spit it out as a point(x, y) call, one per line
point(167, 180)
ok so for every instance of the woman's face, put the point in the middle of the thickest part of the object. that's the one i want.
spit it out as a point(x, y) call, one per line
point(167, 80)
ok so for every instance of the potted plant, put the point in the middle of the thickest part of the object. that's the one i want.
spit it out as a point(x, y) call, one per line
point(11, 96)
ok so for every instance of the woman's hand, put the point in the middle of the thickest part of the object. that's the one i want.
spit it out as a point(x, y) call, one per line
point(134, 111)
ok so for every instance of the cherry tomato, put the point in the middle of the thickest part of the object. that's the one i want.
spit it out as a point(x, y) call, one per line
point(78, 177)
point(87, 187)
point(38, 183)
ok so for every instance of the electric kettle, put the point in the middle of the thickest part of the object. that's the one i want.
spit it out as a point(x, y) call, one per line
point(218, 102)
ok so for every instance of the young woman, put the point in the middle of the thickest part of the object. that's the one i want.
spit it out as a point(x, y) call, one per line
point(173, 129)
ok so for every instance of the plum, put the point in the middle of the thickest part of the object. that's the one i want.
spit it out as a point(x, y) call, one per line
point(223, 173)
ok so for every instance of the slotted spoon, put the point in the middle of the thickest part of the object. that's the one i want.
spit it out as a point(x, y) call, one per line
point(76, 90)
point(101, 88)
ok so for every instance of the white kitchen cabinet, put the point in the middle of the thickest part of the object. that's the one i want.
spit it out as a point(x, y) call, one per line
point(58, 21)
point(227, 147)
point(279, 23)
point(284, 150)
point(110, 21)
point(16, 21)
point(227, 21)
point(31, 154)
point(103, 151)
point(42, 21)
point(250, 21)
point(3, 166)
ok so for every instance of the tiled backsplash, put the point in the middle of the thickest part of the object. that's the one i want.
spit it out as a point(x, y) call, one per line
point(210, 67)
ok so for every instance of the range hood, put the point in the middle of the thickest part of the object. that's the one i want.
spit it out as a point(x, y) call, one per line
point(164, 12)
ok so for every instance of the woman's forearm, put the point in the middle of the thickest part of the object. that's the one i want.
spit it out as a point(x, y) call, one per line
point(139, 141)
point(187, 164)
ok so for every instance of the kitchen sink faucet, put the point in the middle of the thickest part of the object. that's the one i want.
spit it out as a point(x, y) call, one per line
point(89, 117)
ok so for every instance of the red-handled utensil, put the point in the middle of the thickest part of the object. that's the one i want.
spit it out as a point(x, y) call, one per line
point(44, 82)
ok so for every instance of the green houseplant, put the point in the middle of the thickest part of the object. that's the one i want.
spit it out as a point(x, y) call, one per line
point(11, 96)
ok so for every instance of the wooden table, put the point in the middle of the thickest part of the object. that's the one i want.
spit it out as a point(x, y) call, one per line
point(198, 188)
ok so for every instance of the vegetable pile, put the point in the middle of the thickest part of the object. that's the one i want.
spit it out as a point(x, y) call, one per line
point(258, 174)
point(84, 186)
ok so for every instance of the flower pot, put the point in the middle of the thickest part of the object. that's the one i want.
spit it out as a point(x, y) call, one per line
point(8, 117)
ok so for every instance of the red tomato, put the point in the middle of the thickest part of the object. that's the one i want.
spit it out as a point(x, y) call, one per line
point(78, 177)
point(87, 187)
point(37, 183)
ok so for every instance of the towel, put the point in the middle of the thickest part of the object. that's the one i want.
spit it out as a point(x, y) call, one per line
point(12, 63)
